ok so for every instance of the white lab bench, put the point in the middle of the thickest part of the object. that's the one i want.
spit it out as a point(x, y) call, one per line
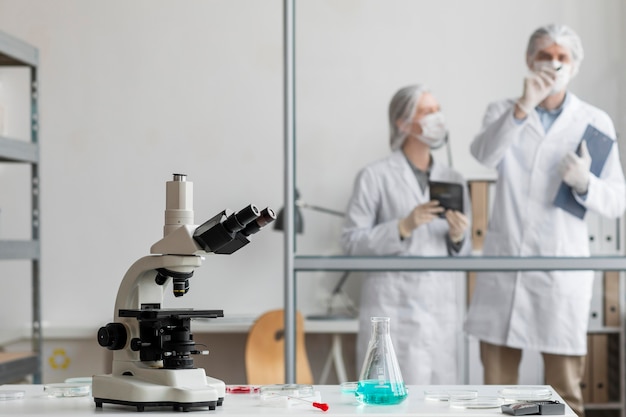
point(36, 403)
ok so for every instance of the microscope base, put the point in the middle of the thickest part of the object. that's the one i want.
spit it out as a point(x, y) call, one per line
point(142, 405)
point(134, 392)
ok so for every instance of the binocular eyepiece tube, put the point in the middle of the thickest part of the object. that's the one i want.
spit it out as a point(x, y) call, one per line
point(222, 229)
point(266, 217)
point(237, 221)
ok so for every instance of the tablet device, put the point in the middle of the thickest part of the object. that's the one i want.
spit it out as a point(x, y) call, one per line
point(449, 195)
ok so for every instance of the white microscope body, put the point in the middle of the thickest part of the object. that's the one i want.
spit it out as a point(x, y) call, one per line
point(151, 346)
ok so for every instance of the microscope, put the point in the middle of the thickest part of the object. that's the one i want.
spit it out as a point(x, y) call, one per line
point(152, 346)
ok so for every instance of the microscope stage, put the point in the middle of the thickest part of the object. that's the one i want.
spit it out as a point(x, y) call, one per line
point(154, 314)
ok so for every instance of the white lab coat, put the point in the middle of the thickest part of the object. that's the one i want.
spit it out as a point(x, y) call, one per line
point(546, 311)
point(423, 306)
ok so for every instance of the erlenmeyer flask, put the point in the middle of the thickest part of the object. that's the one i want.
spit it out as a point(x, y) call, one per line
point(380, 381)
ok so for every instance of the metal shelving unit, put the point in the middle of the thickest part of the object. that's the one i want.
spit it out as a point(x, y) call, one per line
point(16, 53)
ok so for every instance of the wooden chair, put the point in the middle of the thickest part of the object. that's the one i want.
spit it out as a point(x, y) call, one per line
point(265, 351)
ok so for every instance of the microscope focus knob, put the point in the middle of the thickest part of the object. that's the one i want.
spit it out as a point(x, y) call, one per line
point(112, 336)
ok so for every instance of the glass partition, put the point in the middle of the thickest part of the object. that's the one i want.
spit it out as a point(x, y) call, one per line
point(352, 56)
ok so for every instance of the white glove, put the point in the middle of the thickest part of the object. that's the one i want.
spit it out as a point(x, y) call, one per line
point(537, 86)
point(422, 214)
point(457, 225)
point(575, 169)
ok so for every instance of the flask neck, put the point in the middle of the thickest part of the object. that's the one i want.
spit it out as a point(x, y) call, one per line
point(380, 328)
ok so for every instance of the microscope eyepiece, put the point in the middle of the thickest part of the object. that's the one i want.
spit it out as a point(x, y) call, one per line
point(237, 221)
point(266, 217)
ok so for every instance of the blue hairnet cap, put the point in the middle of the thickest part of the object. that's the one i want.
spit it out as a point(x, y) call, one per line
point(402, 109)
point(559, 34)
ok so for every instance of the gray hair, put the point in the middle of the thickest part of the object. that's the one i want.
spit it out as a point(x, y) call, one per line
point(559, 34)
point(402, 108)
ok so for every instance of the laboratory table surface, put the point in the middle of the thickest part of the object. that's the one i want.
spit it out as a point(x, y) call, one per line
point(35, 402)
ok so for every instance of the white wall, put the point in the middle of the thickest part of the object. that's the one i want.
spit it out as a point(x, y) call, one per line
point(134, 91)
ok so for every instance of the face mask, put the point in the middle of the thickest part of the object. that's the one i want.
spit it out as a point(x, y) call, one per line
point(434, 130)
point(563, 73)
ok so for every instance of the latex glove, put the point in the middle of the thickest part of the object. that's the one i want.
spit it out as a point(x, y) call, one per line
point(575, 169)
point(457, 225)
point(537, 86)
point(422, 214)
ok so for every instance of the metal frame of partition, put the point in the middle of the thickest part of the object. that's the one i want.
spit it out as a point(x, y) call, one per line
point(470, 263)
point(289, 206)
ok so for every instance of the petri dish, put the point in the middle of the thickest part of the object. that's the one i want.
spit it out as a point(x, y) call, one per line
point(348, 387)
point(67, 389)
point(448, 395)
point(242, 389)
point(462, 394)
point(79, 380)
point(83, 380)
point(11, 394)
point(525, 393)
point(436, 395)
point(286, 390)
point(477, 403)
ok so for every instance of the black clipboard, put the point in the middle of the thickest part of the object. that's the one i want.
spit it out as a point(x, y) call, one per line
point(599, 146)
point(449, 194)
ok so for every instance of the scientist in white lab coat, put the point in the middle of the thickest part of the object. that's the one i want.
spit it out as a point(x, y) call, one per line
point(391, 214)
point(532, 143)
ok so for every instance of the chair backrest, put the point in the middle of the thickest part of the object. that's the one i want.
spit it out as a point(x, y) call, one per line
point(265, 351)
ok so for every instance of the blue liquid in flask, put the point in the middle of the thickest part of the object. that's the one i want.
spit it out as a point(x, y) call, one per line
point(380, 392)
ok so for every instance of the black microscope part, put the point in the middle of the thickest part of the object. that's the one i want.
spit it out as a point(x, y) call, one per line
point(222, 229)
point(241, 238)
point(113, 336)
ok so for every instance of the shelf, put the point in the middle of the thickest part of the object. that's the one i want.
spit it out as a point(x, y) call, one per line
point(607, 330)
point(613, 405)
point(16, 52)
point(469, 263)
point(14, 365)
point(19, 249)
point(13, 150)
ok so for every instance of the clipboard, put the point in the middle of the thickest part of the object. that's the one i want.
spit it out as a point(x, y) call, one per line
point(599, 146)
point(449, 195)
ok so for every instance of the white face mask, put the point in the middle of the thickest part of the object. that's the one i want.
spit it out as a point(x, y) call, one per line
point(563, 73)
point(434, 130)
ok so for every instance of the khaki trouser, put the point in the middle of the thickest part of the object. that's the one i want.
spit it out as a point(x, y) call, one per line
point(563, 373)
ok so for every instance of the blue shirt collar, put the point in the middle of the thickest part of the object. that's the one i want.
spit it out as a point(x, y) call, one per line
point(548, 117)
point(558, 110)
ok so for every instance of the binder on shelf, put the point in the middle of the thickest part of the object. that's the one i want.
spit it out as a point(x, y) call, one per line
point(599, 368)
point(614, 379)
point(611, 299)
point(585, 384)
point(596, 308)
point(599, 146)
point(594, 228)
point(479, 196)
point(609, 237)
